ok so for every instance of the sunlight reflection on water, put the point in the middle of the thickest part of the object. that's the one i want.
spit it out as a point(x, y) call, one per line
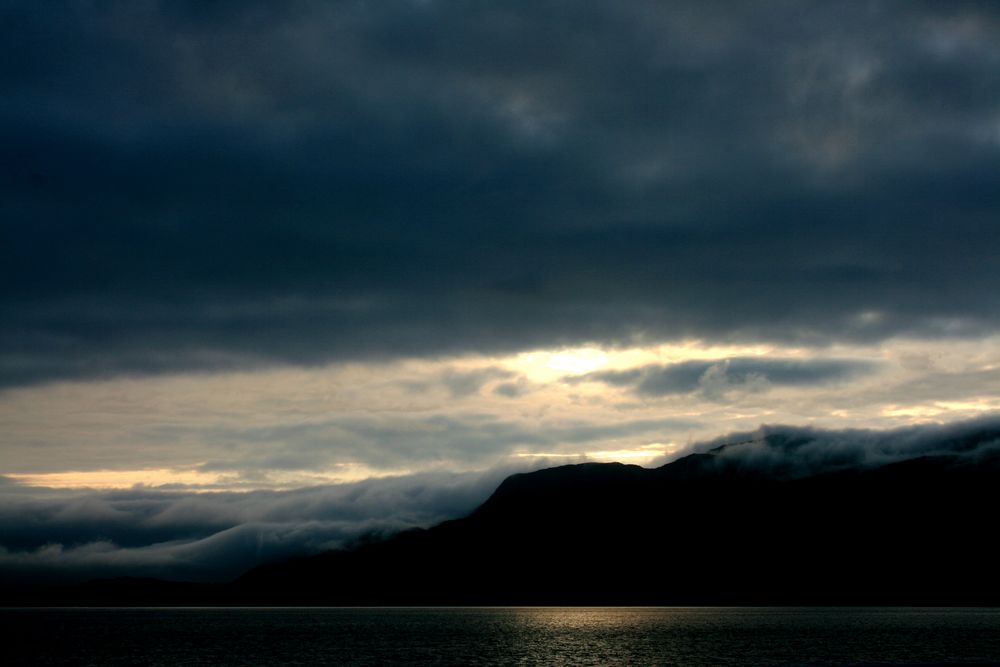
point(525, 636)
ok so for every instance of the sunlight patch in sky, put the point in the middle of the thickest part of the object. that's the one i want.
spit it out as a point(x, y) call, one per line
point(549, 364)
point(282, 427)
point(641, 456)
point(197, 480)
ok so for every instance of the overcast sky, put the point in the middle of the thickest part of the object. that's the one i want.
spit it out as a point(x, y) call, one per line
point(257, 247)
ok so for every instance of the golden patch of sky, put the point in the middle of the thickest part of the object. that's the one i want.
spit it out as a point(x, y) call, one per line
point(197, 480)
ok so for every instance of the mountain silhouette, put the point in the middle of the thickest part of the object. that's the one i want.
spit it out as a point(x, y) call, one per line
point(706, 529)
point(769, 521)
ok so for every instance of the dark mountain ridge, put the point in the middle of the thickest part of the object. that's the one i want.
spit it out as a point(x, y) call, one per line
point(768, 520)
point(706, 529)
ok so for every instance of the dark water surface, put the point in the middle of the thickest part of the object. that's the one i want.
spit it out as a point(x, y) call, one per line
point(523, 636)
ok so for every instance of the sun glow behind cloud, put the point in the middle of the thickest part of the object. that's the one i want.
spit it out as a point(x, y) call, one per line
point(286, 427)
point(641, 455)
point(545, 365)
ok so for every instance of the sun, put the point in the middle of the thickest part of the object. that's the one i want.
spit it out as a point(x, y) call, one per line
point(547, 365)
point(577, 361)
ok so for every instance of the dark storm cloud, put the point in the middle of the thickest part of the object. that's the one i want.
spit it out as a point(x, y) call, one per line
point(208, 185)
point(712, 375)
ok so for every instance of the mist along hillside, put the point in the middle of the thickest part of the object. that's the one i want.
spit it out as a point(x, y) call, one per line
point(772, 521)
point(784, 516)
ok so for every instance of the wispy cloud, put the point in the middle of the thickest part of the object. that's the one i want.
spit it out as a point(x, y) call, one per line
point(714, 378)
point(215, 536)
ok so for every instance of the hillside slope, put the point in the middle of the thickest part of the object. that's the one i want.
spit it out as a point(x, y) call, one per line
point(706, 529)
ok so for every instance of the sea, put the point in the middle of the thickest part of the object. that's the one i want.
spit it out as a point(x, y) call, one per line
point(692, 636)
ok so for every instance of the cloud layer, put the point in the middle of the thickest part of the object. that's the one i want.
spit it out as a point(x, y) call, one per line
point(714, 378)
point(790, 452)
point(214, 536)
point(192, 186)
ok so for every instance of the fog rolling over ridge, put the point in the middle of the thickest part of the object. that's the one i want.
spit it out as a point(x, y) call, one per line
point(791, 516)
point(806, 483)
point(789, 452)
point(51, 535)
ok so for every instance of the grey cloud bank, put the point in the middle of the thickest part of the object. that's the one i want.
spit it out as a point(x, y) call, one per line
point(236, 184)
point(790, 452)
point(49, 535)
point(713, 378)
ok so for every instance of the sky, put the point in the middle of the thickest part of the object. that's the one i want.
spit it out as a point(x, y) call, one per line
point(277, 274)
